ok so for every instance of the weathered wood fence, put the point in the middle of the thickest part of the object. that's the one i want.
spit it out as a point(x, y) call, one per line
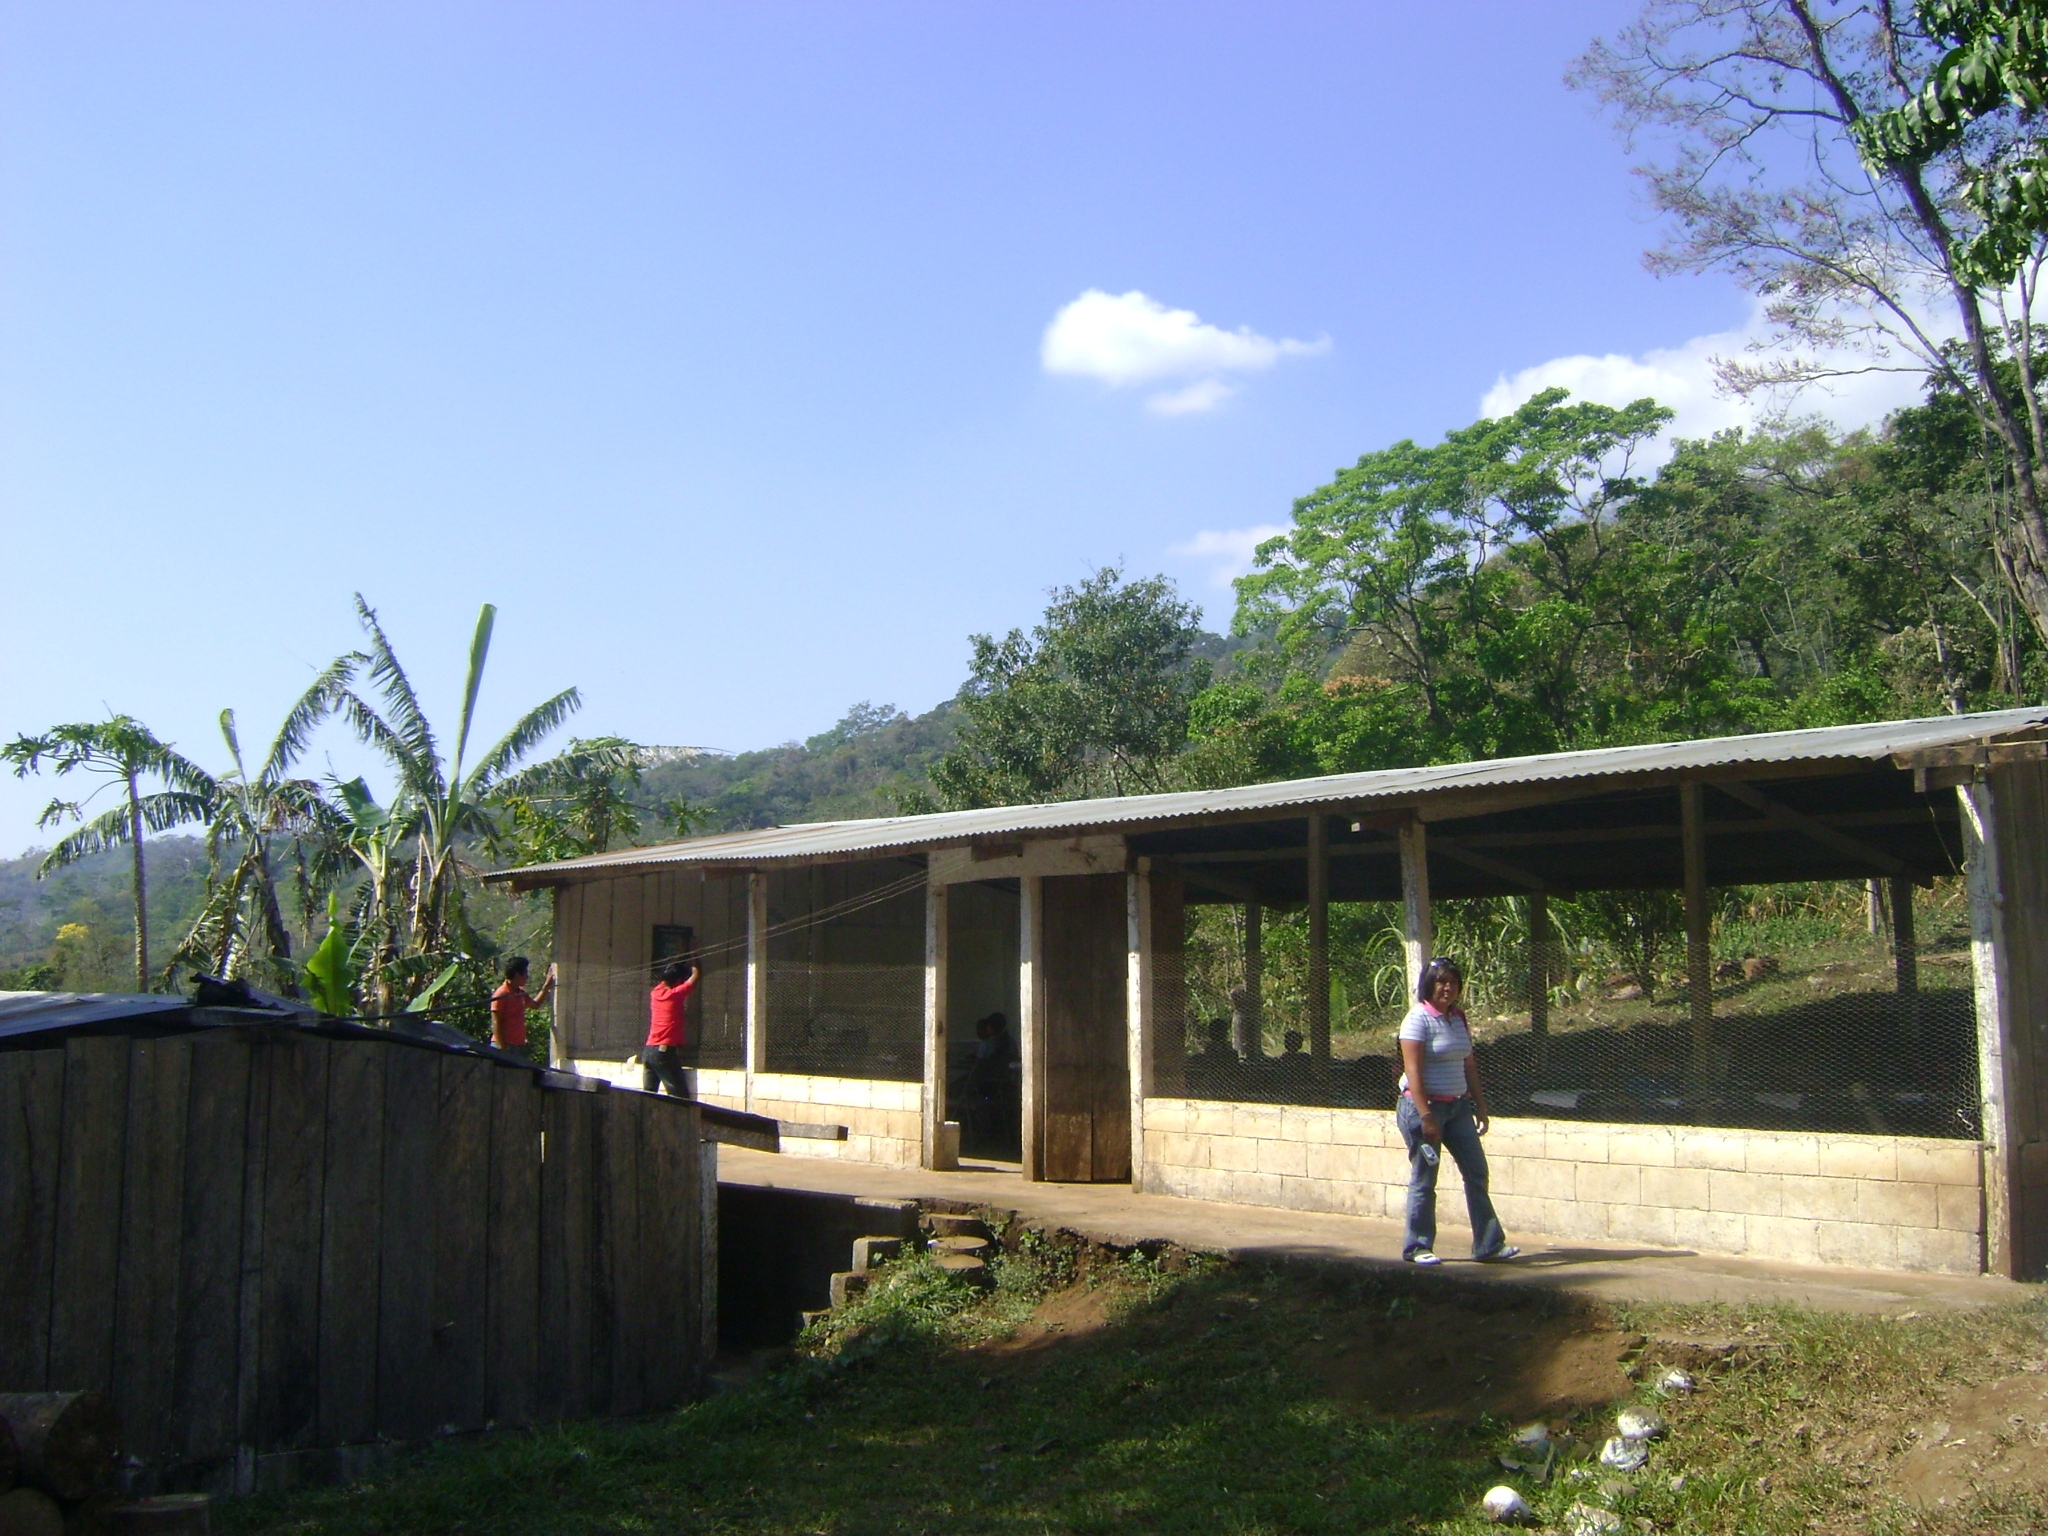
point(264, 1243)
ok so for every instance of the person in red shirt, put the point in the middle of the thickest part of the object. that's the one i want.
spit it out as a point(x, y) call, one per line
point(510, 1002)
point(662, 1061)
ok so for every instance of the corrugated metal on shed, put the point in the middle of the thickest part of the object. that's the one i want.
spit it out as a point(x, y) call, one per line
point(1848, 744)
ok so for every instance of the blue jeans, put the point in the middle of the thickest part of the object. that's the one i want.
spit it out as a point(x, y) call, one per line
point(1461, 1140)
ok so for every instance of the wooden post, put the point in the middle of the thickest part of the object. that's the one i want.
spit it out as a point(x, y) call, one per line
point(1905, 946)
point(757, 978)
point(1418, 927)
point(1139, 978)
point(1989, 963)
point(1539, 963)
point(1318, 942)
point(1874, 906)
point(1251, 1018)
point(1699, 958)
point(935, 1049)
point(1030, 1016)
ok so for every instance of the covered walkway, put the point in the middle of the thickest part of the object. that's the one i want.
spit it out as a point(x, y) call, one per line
point(1607, 1271)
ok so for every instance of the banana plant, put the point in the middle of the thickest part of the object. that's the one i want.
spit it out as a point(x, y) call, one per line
point(330, 976)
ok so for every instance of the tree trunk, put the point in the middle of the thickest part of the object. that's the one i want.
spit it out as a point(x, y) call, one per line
point(141, 889)
point(68, 1442)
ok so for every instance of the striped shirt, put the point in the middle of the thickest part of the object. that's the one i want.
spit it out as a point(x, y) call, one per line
point(1446, 1042)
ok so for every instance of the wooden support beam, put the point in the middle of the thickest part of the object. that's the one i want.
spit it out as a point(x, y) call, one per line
point(1250, 1012)
point(1451, 848)
point(1540, 943)
point(1418, 925)
point(1699, 958)
point(933, 1149)
point(1031, 1017)
point(1222, 885)
point(1140, 990)
point(1319, 942)
point(1905, 944)
point(1812, 826)
point(757, 979)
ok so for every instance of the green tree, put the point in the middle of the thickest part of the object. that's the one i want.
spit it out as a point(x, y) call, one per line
point(1485, 576)
point(123, 752)
point(1094, 701)
point(442, 804)
point(576, 802)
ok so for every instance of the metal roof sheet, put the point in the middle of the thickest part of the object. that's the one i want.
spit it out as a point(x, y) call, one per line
point(31, 1013)
point(884, 834)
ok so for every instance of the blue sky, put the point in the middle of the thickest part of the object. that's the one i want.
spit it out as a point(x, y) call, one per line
point(749, 357)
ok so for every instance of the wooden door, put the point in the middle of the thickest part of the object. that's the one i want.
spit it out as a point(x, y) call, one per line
point(1085, 1097)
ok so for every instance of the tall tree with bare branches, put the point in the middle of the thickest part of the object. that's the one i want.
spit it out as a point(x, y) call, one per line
point(1873, 171)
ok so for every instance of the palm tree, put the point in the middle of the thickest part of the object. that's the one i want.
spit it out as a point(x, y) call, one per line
point(440, 803)
point(241, 929)
point(122, 751)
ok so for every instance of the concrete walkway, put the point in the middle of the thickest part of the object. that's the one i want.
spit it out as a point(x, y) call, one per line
point(1112, 1213)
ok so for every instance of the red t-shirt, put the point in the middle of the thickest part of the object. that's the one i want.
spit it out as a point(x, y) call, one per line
point(508, 1015)
point(667, 1009)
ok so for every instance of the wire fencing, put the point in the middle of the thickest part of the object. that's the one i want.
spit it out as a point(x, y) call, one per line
point(1820, 1016)
point(846, 970)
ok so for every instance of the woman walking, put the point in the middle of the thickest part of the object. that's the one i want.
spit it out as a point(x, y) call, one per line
point(1443, 1106)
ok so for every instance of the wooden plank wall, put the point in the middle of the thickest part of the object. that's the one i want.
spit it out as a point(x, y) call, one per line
point(268, 1242)
point(1085, 1131)
point(604, 935)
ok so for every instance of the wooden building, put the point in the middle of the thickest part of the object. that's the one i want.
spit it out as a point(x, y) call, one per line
point(845, 963)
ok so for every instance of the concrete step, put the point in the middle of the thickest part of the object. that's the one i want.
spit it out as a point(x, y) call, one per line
point(808, 1318)
point(868, 1252)
point(846, 1285)
point(978, 1246)
point(884, 1217)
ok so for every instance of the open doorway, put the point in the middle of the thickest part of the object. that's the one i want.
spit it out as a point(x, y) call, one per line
point(984, 1077)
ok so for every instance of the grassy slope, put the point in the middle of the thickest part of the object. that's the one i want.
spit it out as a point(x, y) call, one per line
point(1194, 1404)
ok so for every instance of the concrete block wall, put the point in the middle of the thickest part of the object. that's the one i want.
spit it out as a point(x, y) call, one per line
point(881, 1118)
point(1877, 1202)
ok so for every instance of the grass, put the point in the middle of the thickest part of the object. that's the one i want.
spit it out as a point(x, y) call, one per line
point(1175, 1399)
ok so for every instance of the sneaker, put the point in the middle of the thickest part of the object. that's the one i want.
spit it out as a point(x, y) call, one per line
point(1423, 1257)
point(1508, 1251)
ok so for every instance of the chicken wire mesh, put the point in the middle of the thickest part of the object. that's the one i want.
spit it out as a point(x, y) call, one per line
point(1819, 1021)
point(846, 970)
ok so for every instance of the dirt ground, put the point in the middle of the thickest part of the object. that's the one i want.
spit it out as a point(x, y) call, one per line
point(1993, 1436)
point(1423, 1355)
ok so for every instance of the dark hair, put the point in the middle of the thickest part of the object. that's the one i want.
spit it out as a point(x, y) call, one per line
point(674, 973)
point(517, 966)
point(1442, 968)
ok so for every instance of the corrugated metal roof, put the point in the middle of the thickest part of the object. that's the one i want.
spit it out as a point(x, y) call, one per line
point(1849, 743)
point(31, 1013)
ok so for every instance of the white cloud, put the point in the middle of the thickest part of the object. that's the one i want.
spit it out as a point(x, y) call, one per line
point(1228, 550)
point(1131, 338)
point(1202, 395)
point(1683, 378)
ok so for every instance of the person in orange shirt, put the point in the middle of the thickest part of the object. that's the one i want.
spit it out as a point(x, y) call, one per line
point(662, 1061)
point(510, 1002)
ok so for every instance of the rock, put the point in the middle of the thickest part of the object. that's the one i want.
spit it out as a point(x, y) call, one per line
point(1627, 994)
point(1756, 967)
point(1504, 1506)
point(964, 1267)
point(1590, 1520)
point(1623, 1454)
point(1640, 1424)
point(1533, 1437)
point(1676, 1383)
point(942, 1225)
point(969, 1245)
